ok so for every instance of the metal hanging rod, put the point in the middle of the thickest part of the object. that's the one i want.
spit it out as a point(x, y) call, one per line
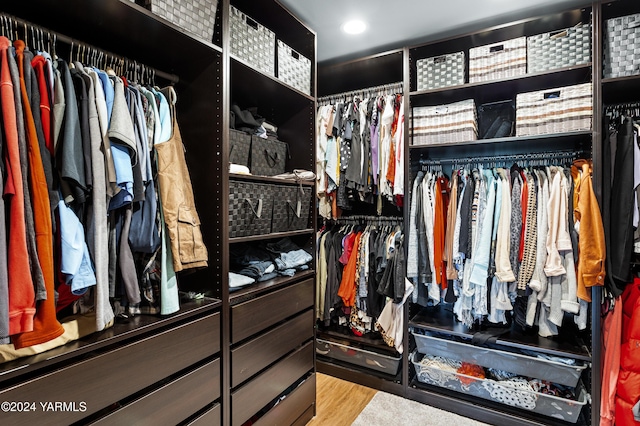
point(370, 219)
point(11, 27)
point(495, 159)
point(384, 89)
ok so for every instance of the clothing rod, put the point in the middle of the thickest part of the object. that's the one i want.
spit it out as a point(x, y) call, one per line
point(354, 218)
point(384, 89)
point(14, 21)
point(499, 158)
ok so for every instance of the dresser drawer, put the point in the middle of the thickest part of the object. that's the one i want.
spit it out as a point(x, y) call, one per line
point(257, 393)
point(108, 377)
point(173, 402)
point(253, 356)
point(293, 406)
point(210, 417)
point(253, 316)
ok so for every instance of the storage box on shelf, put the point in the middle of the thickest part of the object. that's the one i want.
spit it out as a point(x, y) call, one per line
point(559, 49)
point(496, 119)
point(350, 354)
point(291, 211)
point(196, 16)
point(441, 71)
point(293, 68)
point(560, 110)
point(565, 371)
point(252, 42)
point(454, 122)
point(268, 156)
point(620, 46)
point(250, 208)
point(519, 393)
point(498, 60)
point(239, 147)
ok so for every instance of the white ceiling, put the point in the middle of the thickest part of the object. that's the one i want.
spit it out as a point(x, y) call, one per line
point(397, 23)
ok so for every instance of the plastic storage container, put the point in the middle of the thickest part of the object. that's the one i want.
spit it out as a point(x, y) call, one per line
point(524, 365)
point(374, 361)
point(503, 392)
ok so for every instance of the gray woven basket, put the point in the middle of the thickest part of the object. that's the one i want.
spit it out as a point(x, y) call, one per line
point(440, 71)
point(268, 156)
point(196, 16)
point(252, 42)
point(250, 208)
point(293, 68)
point(239, 147)
point(622, 46)
point(291, 211)
point(559, 49)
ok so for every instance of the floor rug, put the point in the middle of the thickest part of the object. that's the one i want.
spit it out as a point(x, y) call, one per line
point(386, 409)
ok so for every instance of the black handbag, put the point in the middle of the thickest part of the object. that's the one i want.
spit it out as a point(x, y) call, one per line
point(268, 156)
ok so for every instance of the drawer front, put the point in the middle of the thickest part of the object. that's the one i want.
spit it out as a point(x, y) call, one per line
point(258, 353)
point(108, 377)
point(257, 393)
point(209, 418)
point(293, 406)
point(254, 315)
point(174, 402)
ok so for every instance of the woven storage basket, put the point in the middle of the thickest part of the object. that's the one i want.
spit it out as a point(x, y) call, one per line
point(498, 60)
point(293, 68)
point(622, 46)
point(440, 71)
point(239, 147)
point(250, 208)
point(196, 16)
point(268, 156)
point(291, 208)
point(252, 42)
point(559, 49)
point(454, 122)
point(561, 110)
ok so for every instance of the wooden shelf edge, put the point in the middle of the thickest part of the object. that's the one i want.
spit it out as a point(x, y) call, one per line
point(270, 179)
point(276, 235)
point(511, 139)
point(254, 290)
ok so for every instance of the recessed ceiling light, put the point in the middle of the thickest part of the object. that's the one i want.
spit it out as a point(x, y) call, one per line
point(354, 27)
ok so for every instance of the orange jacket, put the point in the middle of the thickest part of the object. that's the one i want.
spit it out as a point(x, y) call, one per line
point(591, 244)
point(347, 290)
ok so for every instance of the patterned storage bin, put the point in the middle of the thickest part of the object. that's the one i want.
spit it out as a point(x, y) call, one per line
point(268, 156)
point(291, 208)
point(293, 68)
point(498, 60)
point(622, 46)
point(250, 208)
point(196, 16)
point(440, 71)
point(252, 42)
point(558, 49)
point(239, 147)
point(454, 122)
point(565, 109)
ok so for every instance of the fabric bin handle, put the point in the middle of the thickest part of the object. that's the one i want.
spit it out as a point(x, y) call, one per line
point(257, 212)
point(634, 24)
point(497, 48)
point(552, 95)
point(559, 34)
point(273, 158)
point(440, 59)
point(250, 22)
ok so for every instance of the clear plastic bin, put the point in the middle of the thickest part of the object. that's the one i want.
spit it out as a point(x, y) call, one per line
point(372, 360)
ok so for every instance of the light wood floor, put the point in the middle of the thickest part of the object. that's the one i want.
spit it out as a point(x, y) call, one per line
point(339, 402)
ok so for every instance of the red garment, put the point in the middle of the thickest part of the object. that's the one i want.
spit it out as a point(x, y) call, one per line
point(438, 236)
point(40, 65)
point(611, 330)
point(21, 292)
point(628, 391)
point(46, 326)
point(347, 290)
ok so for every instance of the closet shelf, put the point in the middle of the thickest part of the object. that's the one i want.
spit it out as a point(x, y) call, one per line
point(360, 375)
point(266, 79)
point(509, 140)
point(567, 344)
point(620, 89)
point(120, 331)
point(269, 179)
point(257, 289)
point(507, 88)
point(271, 236)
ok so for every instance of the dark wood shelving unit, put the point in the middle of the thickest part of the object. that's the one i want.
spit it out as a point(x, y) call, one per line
point(271, 236)
point(269, 179)
point(257, 289)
